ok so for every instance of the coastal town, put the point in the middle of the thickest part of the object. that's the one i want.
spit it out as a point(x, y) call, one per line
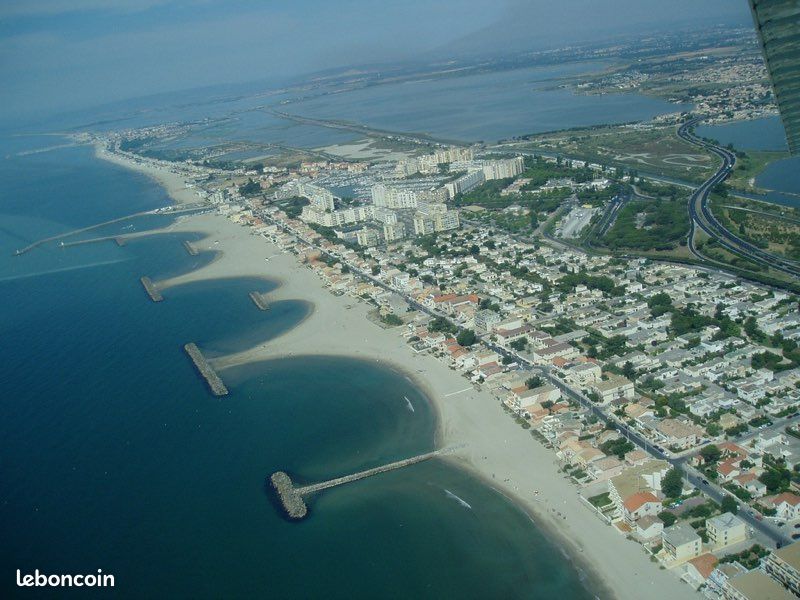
point(668, 394)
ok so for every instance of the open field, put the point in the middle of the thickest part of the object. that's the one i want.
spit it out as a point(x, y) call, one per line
point(649, 149)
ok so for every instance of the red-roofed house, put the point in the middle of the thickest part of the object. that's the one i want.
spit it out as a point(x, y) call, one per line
point(699, 569)
point(749, 481)
point(786, 504)
point(639, 505)
point(727, 470)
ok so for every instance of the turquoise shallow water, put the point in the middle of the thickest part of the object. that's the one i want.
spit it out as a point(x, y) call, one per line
point(115, 456)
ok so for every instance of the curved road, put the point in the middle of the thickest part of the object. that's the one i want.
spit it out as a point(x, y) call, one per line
point(701, 216)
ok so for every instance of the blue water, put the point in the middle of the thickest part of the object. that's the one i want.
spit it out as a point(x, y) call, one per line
point(781, 177)
point(755, 134)
point(115, 456)
point(486, 106)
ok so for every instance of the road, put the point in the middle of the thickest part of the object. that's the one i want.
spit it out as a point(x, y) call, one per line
point(701, 216)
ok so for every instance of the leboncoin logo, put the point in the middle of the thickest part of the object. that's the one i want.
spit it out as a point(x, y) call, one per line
point(37, 579)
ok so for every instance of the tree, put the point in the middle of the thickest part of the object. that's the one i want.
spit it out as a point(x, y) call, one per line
point(711, 453)
point(249, 188)
point(775, 480)
point(533, 382)
point(441, 324)
point(667, 518)
point(730, 505)
point(628, 370)
point(519, 344)
point(466, 338)
point(672, 485)
point(618, 447)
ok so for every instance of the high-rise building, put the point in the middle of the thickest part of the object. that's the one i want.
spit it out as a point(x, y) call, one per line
point(434, 218)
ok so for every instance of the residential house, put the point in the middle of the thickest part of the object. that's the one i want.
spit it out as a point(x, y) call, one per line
point(614, 388)
point(678, 433)
point(786, 505)
point(648, 529)
point(681, 543)
point(641, 504)
point(698, 570)
point(754, 585)
point(784, 565)
point(644, 477)
point(725, 529)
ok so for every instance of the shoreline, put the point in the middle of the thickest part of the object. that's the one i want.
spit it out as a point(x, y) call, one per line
point(499, 452)
point(173, 183)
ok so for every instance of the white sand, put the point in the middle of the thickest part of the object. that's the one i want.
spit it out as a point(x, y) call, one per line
point(173, 183)
point(497, 449)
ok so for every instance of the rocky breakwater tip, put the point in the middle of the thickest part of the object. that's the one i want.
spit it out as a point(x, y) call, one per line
point(151, 289)
point(290, 498)
point(259, 300)
point(206, 370)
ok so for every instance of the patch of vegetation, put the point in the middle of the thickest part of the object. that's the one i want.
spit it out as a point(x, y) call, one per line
point(646, 225)
point(601, 500)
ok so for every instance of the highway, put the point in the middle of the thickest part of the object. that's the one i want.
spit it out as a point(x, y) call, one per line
point(701, 216)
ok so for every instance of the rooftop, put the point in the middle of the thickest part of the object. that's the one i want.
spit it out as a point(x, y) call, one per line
point(756, 585)
point(724, 521)
point(790, 555)
point(680, 534)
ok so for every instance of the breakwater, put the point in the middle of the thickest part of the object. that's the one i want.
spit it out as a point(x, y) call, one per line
point(38, 243)
point(291, 500)
point(189, 248)
point(206, 370)
point(259, 300)
point(291, 497)
point(151, 289)
point(163, 211)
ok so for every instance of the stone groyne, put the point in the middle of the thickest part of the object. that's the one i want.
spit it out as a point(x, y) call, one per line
point(189, 248)
point(291, 497)
point(259, 300)
point(291, 500)
point(151, 289)
point(209, 374)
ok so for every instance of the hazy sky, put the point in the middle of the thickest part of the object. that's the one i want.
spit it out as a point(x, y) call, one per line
point(64, 54)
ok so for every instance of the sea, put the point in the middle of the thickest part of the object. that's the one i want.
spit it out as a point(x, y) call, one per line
point(116, 457)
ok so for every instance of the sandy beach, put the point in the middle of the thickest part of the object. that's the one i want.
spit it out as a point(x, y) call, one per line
point(173, 183)
point(495, 448)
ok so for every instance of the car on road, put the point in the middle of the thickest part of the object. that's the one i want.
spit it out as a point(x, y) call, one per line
point(705, 481)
